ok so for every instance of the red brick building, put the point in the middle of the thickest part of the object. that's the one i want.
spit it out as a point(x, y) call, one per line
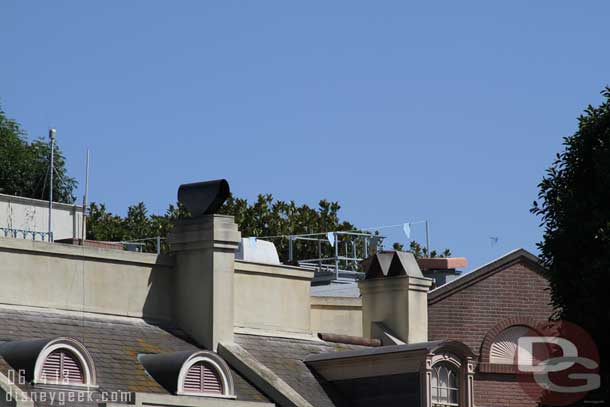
point(488, 309)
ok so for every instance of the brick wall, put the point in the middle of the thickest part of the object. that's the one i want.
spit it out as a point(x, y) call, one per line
point(514, 291)
point(495, 390)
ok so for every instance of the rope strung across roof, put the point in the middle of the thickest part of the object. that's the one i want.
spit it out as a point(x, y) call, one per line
point(356, 231)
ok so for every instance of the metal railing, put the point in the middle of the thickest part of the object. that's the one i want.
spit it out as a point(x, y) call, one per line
point(25, 234)
point(140, 245)
point(348, 250)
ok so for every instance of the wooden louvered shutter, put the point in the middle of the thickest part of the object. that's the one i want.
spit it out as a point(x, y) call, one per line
point(51, 369)
point(62, 366)
point(203, 378)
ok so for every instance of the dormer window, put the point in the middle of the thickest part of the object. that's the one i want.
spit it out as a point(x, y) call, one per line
point(204, 378)
point(190, 373)
point(62, 366)
point(204, 374)
point(64, 361)
point(60, 361)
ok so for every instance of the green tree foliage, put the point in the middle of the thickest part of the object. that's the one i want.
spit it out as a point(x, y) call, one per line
point(269, 217)
point(575, 212)
point(420, 251)
point(24, 165)
point(264, 217)
point(136, 226)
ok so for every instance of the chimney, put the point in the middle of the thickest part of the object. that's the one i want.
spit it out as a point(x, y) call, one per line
point(204, 247)
point(442, 269)
point(394, 295)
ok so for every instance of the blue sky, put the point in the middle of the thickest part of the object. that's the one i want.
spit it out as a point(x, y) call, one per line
point(447, 111)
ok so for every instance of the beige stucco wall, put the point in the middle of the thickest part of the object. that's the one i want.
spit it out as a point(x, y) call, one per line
point(336, 315)
point(271, 297)
point(400, 302)
point(80, 278)
point(33, 215)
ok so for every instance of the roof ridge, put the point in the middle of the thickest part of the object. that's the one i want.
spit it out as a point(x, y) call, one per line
point(479, 273)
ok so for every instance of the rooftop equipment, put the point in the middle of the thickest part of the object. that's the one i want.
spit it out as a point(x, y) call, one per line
point(203, 198)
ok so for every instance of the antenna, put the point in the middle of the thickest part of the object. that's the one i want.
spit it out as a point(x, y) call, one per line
point(428, 238)
point(83, 228)
point(52, 133)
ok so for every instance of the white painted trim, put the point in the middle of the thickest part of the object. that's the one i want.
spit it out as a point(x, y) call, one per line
point(226, 388)
point(464, 368)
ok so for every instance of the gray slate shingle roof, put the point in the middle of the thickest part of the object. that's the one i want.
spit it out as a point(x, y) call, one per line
point(285, 358)
point(113, 343)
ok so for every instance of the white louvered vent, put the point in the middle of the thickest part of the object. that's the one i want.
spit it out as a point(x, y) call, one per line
point(62, 366)
point(202, 377)
point(504, 347)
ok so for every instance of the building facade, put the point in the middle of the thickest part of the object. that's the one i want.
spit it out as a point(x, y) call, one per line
point(28, 218)
point(197, 327)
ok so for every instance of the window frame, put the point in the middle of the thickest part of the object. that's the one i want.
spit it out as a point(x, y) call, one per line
point(225, 383)
point(78, 351)
point(464, 369)
point(450, 368)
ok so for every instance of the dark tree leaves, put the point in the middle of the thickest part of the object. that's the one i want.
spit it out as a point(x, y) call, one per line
point(574, 208)
point(24, 166)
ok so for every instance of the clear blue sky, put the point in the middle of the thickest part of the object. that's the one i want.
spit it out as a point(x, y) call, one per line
point(447, 111)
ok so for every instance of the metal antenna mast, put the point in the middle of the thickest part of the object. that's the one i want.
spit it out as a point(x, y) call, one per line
point(83, 229)
point(51, 170)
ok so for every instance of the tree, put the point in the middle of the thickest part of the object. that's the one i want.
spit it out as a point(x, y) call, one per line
point(575, 211)
point(265, 217)
point(24, 165)
point(269, 217)
point(420, 251)
point(138, 225)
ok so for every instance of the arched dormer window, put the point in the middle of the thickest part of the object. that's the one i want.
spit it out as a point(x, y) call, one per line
point(65, 361)
point(204, 378)
point(62, 366)
point(202, 375)
point(59, 361)
point(192, 373)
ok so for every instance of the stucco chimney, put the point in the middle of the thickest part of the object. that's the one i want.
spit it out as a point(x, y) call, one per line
point(394, 293)
point(205, 247)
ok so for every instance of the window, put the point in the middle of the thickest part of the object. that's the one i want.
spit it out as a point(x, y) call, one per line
point(192, 373)
point(62, 366)
point(202, 377)
point(64, 361)
point(445, 385)
point(204, 374)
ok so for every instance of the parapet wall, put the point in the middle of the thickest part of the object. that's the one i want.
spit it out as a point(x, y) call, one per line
point(80, 278)
point(272, 298)
point(336, 315)
point(267, 297)
point(17, 212)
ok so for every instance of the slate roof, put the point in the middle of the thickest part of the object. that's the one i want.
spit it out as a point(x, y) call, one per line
point(285, 358)
point(114, 344)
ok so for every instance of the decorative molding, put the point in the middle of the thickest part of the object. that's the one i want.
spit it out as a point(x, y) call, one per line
point(218, 364)
point(485, 363)
point(78, 350)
